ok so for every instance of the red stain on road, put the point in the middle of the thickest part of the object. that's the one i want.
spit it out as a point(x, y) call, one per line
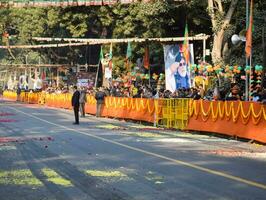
point(6, 140)
point(6, 114)
point(8, 120)
point(23, 139)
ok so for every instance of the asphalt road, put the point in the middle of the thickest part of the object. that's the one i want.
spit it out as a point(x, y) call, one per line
point(44, 157)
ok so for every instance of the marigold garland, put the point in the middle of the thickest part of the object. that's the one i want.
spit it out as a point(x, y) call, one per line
point(222, 110)
point(228, 110)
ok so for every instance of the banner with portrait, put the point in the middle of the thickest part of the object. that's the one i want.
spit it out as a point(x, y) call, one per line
point(177, 71)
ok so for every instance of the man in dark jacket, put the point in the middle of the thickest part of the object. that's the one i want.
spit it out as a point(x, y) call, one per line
point(99, 96)
point(18, 93)
point(75, 104)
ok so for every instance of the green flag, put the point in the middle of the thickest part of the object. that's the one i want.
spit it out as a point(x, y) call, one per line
point(101, 54)
point(129, 51)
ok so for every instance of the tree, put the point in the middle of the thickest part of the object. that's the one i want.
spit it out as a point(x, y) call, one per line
point(220, 19)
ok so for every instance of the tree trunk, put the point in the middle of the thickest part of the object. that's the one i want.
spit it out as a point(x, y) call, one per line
point(217, 47)
point(215, 7)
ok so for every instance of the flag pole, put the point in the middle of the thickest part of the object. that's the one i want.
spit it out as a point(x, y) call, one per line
point(97, 73)
point(247, 77)
point(249, 42)
point(150, 76)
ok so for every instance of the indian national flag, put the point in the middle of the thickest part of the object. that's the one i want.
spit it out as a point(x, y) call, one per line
point(185, 46)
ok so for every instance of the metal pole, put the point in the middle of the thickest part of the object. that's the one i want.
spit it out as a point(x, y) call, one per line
point(247, 78)
point(150, 76)
point(97, 74)
point(250, 75)
point(264, 56)
point(204, 50)
point(57, 77)
point(26, 60)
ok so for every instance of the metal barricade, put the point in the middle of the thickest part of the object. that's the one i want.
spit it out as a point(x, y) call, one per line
point(175, 113)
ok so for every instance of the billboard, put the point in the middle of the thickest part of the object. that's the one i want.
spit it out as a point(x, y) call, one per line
point(177, 72)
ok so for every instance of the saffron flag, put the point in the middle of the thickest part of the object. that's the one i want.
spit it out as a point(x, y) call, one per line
point(146, 58)
point(43, 74)
point(185, 46)
point(249, 32)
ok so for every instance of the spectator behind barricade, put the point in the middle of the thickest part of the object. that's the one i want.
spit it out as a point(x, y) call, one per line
point(167, 94)
point(201, 91)
point(139, 93)
point(263, 97)
point(194, 94)
point(113, 91)
point(147, 93)
point(82, 101)
point(65, 90)
point(155, 93)
point(99, 96)
point(256, 96)
point(216, 94)
point(181, 93)
point(107, 91)
point(234, 94)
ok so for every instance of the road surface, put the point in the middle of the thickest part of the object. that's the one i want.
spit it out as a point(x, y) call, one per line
point(44, 157)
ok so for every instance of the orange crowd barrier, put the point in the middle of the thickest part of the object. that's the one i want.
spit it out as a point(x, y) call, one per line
point(129, 108)
point(234, 118)
point(117, 107)
point(10, 95)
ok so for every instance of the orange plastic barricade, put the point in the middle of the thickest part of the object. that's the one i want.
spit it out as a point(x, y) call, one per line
point(234, 118)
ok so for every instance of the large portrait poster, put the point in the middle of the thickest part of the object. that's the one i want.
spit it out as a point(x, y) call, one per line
point(177, 71)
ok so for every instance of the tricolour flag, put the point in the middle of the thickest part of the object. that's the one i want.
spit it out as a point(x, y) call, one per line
point(185, 46)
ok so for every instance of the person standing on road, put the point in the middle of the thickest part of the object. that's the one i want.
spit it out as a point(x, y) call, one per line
point(18, 93)
point(1, 91)
point(82, 101)
point(75, 104)
point(99, 96)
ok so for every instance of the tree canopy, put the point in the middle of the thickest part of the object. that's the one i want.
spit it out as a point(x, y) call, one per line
point(156, 19)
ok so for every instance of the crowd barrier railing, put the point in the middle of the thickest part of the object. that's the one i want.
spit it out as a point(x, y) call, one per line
point(236, 118)
point(229, 110)
point(10, 95)
point(175, 113)
point(233, 118)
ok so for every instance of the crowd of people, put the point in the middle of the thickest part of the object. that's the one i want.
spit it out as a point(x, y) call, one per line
point(158, 91)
